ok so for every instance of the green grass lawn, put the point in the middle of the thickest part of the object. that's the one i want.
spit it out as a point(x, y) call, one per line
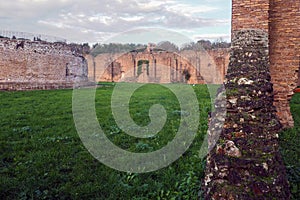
point(42, 156)
point(290, 148)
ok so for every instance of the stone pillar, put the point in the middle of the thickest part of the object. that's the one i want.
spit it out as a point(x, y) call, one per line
point(150, 64)
point(134, 67)
point(170, 69)
point(245, 163)
point(155, 68)
point(284, 54)
point(198, 64)
point(223, 72)
point(180, 72)
point(94, 69)
point(176, 70)
point(112, 71)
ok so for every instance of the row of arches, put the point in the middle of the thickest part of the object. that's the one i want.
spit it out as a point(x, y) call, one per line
point(160, 67)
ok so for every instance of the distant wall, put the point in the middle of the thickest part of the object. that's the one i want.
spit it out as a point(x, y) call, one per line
point(211, 64)
point(26, 64)
point(164, 67)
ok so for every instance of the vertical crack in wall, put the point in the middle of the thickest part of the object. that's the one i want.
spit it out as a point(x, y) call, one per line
point(245, 163)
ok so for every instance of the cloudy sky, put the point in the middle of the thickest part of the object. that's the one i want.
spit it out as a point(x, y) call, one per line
point(97, 20)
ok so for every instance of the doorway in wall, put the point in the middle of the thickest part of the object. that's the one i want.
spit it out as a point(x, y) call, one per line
point(143, 66)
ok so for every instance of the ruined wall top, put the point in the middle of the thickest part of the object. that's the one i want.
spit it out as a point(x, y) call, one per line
point(42, 47)
point(30, 36)
point(27, 64)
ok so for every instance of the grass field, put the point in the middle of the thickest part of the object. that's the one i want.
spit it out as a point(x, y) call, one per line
point(290, 148)
point(42, 156)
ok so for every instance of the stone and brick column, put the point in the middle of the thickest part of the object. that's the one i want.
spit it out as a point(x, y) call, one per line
point(245, 163)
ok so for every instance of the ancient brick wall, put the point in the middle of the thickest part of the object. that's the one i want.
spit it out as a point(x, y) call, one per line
point(281, 19)
point(211, 64)
point(250, 14)
point(97, 66)
point(26, 64)
point(164, 67)
point(284, 54)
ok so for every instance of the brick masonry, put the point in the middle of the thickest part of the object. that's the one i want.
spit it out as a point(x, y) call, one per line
point(281, 20)
point(250, 14)
point(284, 39)
point(28, 65)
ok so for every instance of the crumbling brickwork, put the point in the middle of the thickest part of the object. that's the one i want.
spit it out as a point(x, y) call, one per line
point(26, 64)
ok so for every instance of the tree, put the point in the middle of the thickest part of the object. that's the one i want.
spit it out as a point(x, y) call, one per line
point(220, 43)
point(167, 46)
point(205, 44)
point(115, 48)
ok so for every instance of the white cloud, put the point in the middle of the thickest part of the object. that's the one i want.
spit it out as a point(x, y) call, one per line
point(96, 19)
point(152, 5)
point(213, 36)
point(132, 18)
point(101, 19)
point(190, 10)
